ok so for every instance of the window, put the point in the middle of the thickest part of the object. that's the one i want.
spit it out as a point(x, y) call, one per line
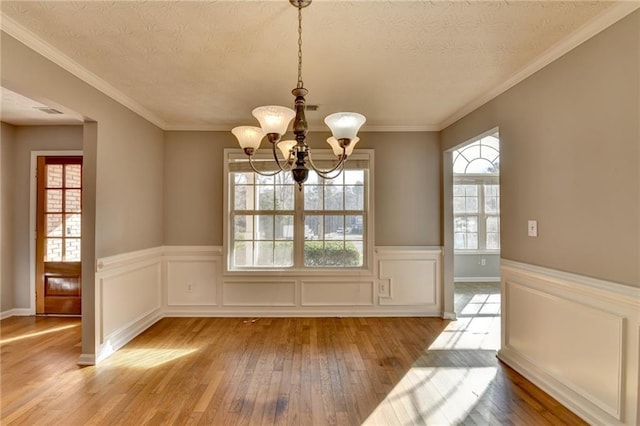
point(273, 224)
point(476, 195)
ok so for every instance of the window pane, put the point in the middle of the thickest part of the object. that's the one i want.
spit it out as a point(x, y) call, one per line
point(264, 180)
point(243, 253)
point(458, 204)
point(471, 205)
point(493, 241)
point(333, 197)
point(72, 225)
point(472, 241)
point(73, 176)
point(334, 253)
point(313, 179)
point(54, 176)
point(338, 180)
point(284, 197)
point(264, 227)
point(53, 250)
point(313, 227)
point(243, 178)
point(263, 255)
point(354, 177)
point(354, 253)
point(472, 224)
point(284, 227)
point(243, 197)
point(283, 254)
point(333, 227)
point(54, 225)
point(354, 228)
point(313, 253)
point(54, 200)
point(312, 197)
point(243, 227)
point(265, 198)
point(458, 190)
point(471, 190)
point(72, 250)
point(354, 197)
point(493, 224)
point(459, 241)
point(73, 200)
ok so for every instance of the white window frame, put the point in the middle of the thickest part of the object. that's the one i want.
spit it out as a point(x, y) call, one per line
point(361, 158)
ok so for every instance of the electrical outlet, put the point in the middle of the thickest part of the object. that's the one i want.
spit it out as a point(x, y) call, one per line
point(483, 262)
point(382, 288)
point(190, 288)
point(532, 228)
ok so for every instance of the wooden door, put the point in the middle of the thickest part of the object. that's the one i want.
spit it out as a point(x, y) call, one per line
point(58, 244)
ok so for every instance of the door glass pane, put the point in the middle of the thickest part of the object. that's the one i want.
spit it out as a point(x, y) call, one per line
point(54, 225)
point(72, 250)
point(73, 176)
point(72, 200)
point(54, 176)
point(54, 200)
point(53, 250)
point(72, 225)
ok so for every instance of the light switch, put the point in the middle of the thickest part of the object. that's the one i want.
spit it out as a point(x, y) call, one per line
point(532, 228)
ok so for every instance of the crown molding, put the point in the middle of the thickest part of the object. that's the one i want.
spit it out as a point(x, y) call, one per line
point(579, 36)
point(34, 42)
point(365, 128)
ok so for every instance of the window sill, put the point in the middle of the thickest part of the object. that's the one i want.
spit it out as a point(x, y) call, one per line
point(306, 272)
point(476, 252)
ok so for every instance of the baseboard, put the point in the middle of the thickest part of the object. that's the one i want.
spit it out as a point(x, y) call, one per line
point(86, 359)
point(293, 313)
point(18, 312)
point(567, 397)
point(121, 337)
point(449, 316)
point(476, 279)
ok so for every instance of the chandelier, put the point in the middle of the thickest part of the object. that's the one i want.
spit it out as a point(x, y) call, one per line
point(274, 121)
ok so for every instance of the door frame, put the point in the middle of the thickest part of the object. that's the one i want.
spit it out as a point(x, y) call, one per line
point(33, 197)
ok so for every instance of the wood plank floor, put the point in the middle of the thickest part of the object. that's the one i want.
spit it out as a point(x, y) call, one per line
point(289, 371)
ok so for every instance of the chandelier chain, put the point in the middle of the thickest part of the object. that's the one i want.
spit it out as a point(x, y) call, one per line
point(300, 83)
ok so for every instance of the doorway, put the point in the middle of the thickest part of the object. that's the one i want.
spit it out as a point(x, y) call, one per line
point(59, 235)
point(476, 223)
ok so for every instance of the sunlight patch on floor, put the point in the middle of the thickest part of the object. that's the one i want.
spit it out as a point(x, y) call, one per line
point(37, 333)
point(470, 333)
point(145, 358)
point(434, 395)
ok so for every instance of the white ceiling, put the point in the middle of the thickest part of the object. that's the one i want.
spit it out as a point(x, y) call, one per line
point(406, 65)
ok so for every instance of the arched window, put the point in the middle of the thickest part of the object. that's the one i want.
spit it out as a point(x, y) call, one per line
point(476, 195)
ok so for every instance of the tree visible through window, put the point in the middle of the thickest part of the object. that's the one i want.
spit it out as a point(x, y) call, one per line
point(274, 225)
point(476, 195)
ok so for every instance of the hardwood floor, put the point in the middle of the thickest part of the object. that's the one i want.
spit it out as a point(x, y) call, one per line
point(298, 371)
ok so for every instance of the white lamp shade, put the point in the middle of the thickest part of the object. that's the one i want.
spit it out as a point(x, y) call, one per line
point(345, 125)
point(273, 118)
point(248, 136)
point(285, 147)
point(337, 150)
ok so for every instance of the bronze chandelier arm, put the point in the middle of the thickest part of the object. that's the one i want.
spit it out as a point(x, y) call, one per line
point(325, 173)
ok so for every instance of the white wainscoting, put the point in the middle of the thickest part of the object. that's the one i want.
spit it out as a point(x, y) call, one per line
point(410, 285)
point(576, 337)
point(134, 290)
point(128, 298)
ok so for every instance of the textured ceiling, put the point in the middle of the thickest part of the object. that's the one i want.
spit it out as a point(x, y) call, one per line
point(404, 64)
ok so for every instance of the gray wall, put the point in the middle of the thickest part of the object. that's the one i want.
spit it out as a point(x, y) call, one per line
point(124, 163)
point(407, 186)
point(468, 267)
point(27, 139)
point(570, 158)
point(7, 147)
